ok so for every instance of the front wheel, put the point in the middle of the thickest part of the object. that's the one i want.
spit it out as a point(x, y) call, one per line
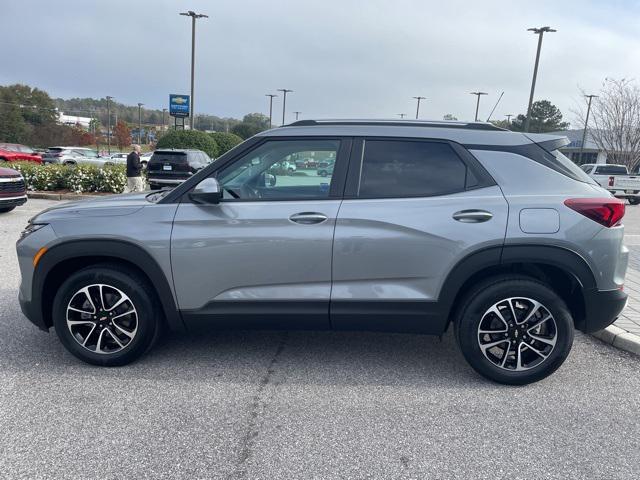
point(514, 330)
point(105, 315)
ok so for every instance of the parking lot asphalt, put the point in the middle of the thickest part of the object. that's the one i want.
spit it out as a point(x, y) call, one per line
point(279, 405)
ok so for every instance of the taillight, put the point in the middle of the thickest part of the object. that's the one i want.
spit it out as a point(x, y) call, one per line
point(605, 211)
point(611, 180)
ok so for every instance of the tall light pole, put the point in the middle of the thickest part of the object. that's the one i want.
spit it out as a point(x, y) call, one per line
point(418, 107)
point(509, 115)
point(109, 125)
point(540, 32)
point(284, 100)
point(271, 96)
point(194, 16)
point(478, 94)
point(297, 113)
point(402, 115)
point(586, 124)
point(164, 111)
point(140, 122)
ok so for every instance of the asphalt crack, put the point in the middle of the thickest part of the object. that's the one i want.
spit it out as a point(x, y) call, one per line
point(257, 408)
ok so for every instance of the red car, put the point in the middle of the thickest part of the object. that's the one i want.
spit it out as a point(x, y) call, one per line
point(13, 152)
point(12, 190)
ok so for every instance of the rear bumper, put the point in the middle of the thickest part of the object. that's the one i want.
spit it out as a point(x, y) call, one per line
point(602, 307)
point(166, 181)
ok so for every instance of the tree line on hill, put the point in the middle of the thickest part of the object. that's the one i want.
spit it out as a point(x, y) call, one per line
point(30, 116)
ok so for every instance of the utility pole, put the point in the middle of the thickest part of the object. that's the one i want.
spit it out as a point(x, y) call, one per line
point(418, 107)
point(586, 124)
point(194, 16)
point(271, 96)
point(109, 125)
point(140, 122)
point(540, 32)
point(164, 111)
point(478, 94)
point(509, 115)
point(297, 113)
point(284, 100)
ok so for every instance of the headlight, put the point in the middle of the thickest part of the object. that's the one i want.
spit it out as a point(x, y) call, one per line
point(30, 228)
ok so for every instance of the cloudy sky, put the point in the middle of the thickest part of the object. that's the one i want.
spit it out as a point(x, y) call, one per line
point(342, 58)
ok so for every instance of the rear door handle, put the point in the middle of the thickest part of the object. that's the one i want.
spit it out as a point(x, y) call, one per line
point(472, 216)
point(308, 218)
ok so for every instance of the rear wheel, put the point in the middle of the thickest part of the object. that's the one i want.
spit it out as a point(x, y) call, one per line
point(105, 316)
point(514, 330)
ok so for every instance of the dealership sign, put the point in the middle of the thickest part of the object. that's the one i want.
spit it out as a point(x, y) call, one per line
point(178, 105)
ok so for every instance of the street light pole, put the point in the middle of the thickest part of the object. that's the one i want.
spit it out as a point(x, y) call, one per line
point(509, 115)
point(271, 95)
point(109, 125)
point(194, 16)
point(402, 115)
point(418, 107)
point(586, 124)
point(297, 113)
point(540, 32)
point(284, 100)
point(478, 94)
point(140, 122)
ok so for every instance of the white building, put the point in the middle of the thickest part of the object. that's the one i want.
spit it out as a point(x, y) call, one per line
point(73, 120)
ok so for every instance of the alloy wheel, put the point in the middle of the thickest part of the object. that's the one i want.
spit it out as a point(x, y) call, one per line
point(102, 318)
point(517, 333)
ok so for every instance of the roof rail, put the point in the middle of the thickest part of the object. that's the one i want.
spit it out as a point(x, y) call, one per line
point(401, 123)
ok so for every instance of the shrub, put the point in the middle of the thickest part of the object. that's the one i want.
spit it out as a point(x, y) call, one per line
point(78, 179)
point(189, 139)
point(226, 141)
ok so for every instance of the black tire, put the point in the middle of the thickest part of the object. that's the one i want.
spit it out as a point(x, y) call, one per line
point(6, 209)
point(485, 295)
point(136, 287)
point(634, 201)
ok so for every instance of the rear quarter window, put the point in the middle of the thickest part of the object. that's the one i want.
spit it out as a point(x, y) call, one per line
point(611, 170)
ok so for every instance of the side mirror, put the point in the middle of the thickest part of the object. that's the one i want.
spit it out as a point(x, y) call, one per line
point(207, 192)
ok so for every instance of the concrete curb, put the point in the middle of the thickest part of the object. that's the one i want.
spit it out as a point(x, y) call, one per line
point(60, 196)
point(619, 338)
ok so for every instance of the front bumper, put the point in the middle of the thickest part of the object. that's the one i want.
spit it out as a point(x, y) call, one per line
point(33, 314)
point(602, 307)
point(13, 201)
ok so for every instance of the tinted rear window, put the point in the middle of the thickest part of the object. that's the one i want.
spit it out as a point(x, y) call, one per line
point(611, 170)
point(393, 168)
point(170, 157)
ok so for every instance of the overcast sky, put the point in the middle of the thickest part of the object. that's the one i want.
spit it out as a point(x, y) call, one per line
point(342, 58)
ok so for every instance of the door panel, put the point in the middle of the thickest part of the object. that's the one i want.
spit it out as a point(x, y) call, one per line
point(399, 251)
point(252, 252)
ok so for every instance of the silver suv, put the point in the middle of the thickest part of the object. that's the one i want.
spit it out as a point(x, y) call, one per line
point(419, 226)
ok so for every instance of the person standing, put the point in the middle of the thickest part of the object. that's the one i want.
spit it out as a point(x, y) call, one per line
point(134, 171)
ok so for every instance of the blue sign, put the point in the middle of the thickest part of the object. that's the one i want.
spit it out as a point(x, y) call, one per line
point(178, 105)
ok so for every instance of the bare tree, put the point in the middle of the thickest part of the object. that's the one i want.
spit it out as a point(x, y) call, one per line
point(614, 123)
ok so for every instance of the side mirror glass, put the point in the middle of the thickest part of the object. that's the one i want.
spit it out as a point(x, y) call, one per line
point(207, 192)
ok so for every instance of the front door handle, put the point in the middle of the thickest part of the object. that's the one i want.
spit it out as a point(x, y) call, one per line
point(472, 216)
point(308, 218)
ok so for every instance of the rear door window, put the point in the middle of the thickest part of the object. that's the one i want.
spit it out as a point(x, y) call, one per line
point(611, 170)
point(396, 168)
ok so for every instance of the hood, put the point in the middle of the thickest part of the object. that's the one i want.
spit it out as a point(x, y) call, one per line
point(8, 172)
point(107, 206)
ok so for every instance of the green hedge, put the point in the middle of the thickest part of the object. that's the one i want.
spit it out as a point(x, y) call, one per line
point(189, 139)
point(78, 179)
point(226, 141)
